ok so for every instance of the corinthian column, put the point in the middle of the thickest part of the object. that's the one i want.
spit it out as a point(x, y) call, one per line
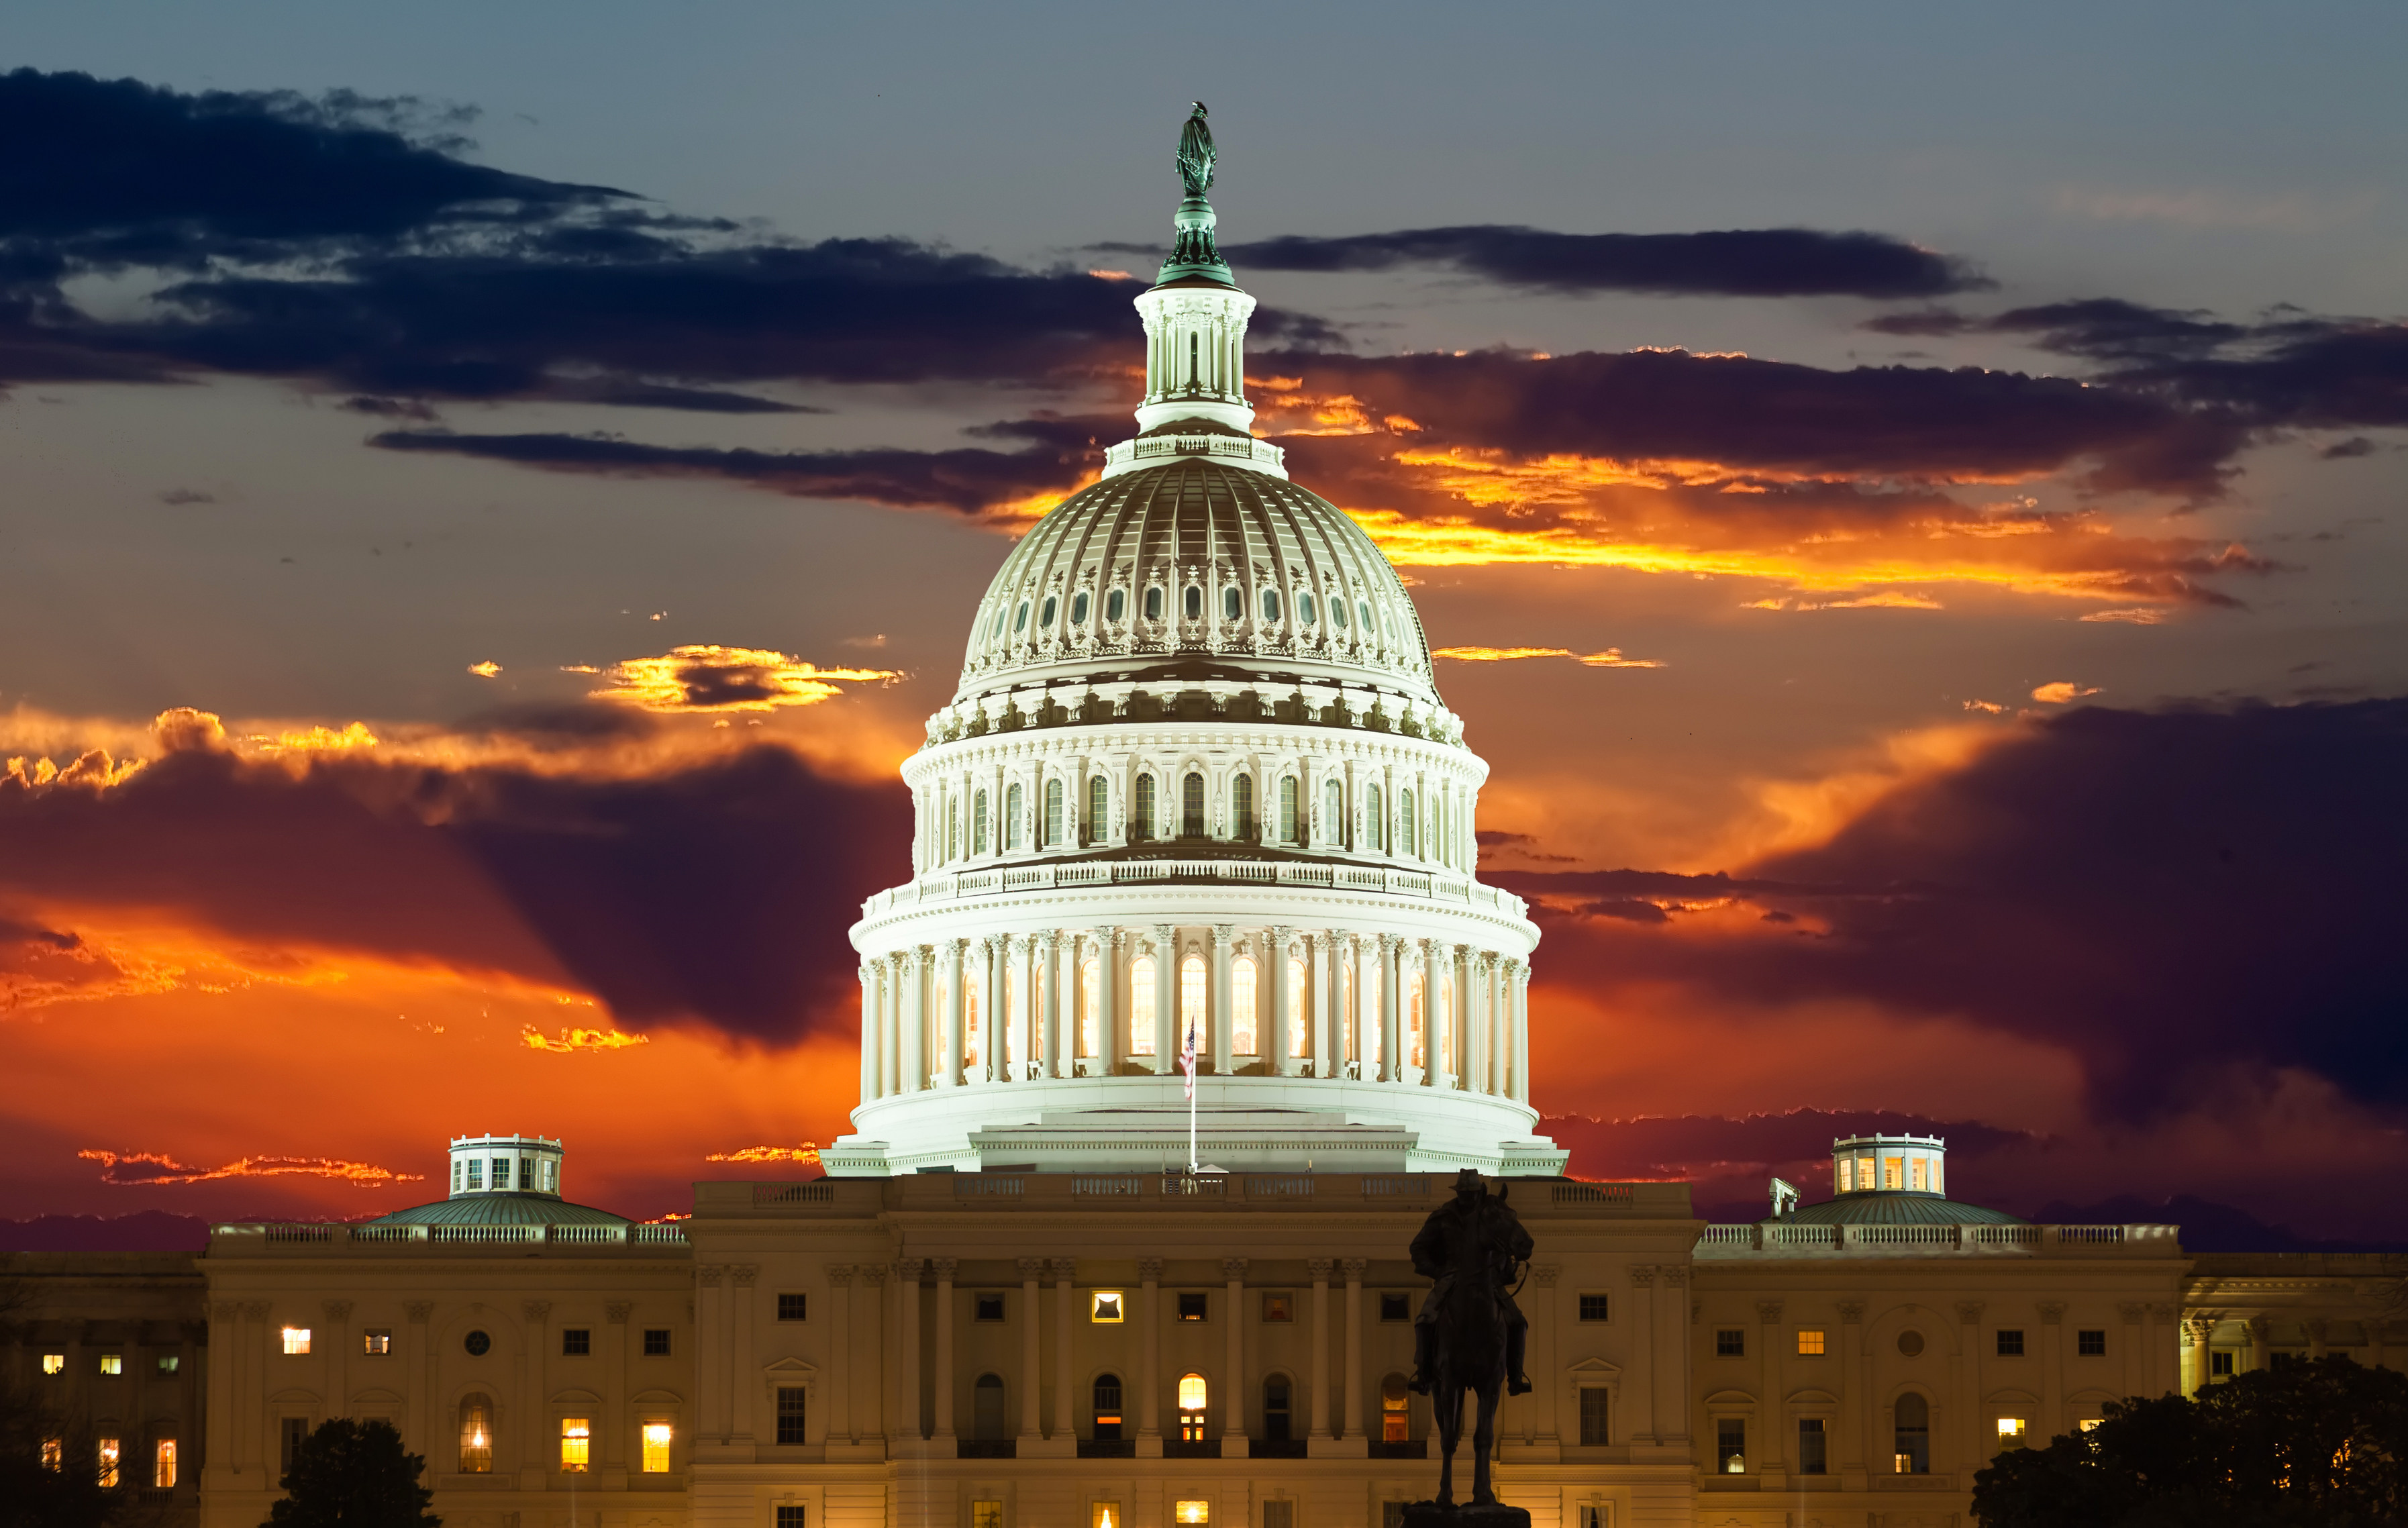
point(1327, 1055)
point(1282, 1043)
point(1166, 983)
point(956, 996)
point(868, 1032)
point(915, 1021)
point(1433, 1051)
point(992, 1011)
point(1110, 1043)
point(1392, 1028)
point(1222, 1039)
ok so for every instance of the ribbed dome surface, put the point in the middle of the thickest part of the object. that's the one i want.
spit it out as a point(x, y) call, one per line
point(501, 1209)
point(1895, 1206)
point(1150, 565)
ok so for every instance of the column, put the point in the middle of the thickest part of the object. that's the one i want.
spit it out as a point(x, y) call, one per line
point(1032, 1026)
point(2195, 1363)
point(945, 1266)
point(1222, 1064)
point(1061, 1001)
point(1673, 1378)
point(1645, 1409)
point(890, 1025)
point(994, 1011)
point(1500, 1026)
point(1769, 1411)
point(1977, 1449)
point(907, 1349)
point(743, 1359)
point(2316, 1333)
point(1357, 1425)
point(1110, 1044)
point(1031, 1270)
point(1326, 1059)
point(956, 1000)
point(534, 1442)
point(868, 1032)
point(1542, 1342)
point(1852, 1395)
point(2052, 1366)
point(1149, 1376)
point(615, 1437)
point(1519, 991)
point(1392, 1029)
point(1065, 1388)
point(873, 1280)
point(915, 1021)
point(421, 1352)
point(1277, 1047)
point(2131, 1351)
point(1233, 1401)
point(836, 1411)
point(1324, 1418)
point(1166, 995)
point(1433, 1051)
point(1463, 1057)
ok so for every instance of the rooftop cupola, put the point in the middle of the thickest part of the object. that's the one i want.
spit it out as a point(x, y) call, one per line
point(1195, 315)
point(1889, 1164)
point(505, 1165)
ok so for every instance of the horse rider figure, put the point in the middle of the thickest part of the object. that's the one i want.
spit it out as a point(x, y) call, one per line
point(1471, 1225)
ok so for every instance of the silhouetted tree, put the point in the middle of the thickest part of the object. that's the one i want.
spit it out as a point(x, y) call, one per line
point(35, 1492)
point(2321, 1443)
point(355, 1475)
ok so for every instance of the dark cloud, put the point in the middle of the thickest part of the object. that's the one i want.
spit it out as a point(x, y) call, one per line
point(2343, 450)
point(2207, 1226)
point(2175, 897)
point(1739, 263)
point(715, 894)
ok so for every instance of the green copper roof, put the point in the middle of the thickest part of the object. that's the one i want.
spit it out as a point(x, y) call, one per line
point(501, 1209)
point(1895, 1206)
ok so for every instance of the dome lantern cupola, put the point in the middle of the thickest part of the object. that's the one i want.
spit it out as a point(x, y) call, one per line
point(1889, 1164)
point(505, 1165)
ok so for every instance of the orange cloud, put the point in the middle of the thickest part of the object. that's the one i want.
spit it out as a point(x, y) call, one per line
point(581, 1039)
point(485, 670)
point(130, 1169)
point(2138, 616)
point(1610, 658)
point(709, 679)
point(2062, 692)
point(805, 1152)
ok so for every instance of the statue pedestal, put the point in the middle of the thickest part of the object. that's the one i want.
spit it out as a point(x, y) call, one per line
point(1431, 1515)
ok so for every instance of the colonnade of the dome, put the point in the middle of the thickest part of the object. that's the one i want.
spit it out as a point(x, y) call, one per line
point(1115, 1001)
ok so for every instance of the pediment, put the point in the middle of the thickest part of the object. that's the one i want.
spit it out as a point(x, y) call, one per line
point(374, 1397)
point(1812, 1397)
point(1597, 1368)
point(2010, 1397)
point(575, 1397)
point(294, 1397)
point(657, 1397)
point(1730, 1398)
point(791, 1368)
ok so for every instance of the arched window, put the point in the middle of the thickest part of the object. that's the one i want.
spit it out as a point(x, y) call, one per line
point(1079, 608)
point(1013, 834)
point(1194, 602)
point(1396, 1413)
point(1299, 1043)
point(1241, 1006)
point(1287, 810)
point(1020, 621)
point(1304, 606)
point(1045, 616)
point(1404, 822)
point(1333, 813)
point(1241, 795)
point(1153, 605)
point(476, 1433)
point(978, 824)
point(1091, 1043)
point(1276, 1394)
point(1913, 1417)
point(1193, 1402)
point(1338, 612)
point(1191, 1001)
point(1141, 814)
point(1053, 814)
point(1115, 606)
point(1190, 805)
point(1108, 1407)
point(1141, 1006)
point(1233, 604)
point(1363, 608)
point(1415, 1054)
point(1099, 802)
point(1376, 822)
point(987, 1408)
point(1271, 604)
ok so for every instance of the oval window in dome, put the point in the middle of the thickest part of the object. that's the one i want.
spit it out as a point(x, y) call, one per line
point(1153, 605)
point(1338, 613)
point(1020, 621)
point(1115, 604)
point(1304, 608)
point(1363, 608)
point(1045, 615)
point(1195, 602)
point(1079, 608)
point(1233, 604)
point(1271, 604)
point(996, 629)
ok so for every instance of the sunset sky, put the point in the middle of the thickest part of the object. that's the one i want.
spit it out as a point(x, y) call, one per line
point(1907, 498)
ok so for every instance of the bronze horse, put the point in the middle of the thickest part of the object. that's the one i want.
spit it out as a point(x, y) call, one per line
point(1472, 1248)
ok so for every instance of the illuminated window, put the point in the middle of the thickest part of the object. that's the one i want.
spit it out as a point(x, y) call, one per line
point(476, 1435)
point(656, 1448)
point(1915, 1174)
point(1730, 1445)
point(1594, 1417)
point(2088, 1424)
point(1241, 809)
point(1241, 1006)
point(1813, 1447)
point(1012, 832)
point(1287, 810)
point(1190, 805)
point(793, 1307)
point(170, 1364)
point(990, 1514)
point(2011, 1431)
point(109, 1456)
point(1192, 1514)
point(1810, 1343)
point(1279, 1306)
point(163, 1465)
point(115, 1362)
point(575, 1444)
point(54, 1362)
point(1191, 998)
point(1299, 1039)
point(1396, 1410)
point(1893, 1172)
point(1141, 1006)
point(54, 1453)
point(1416, 1054)
point(1107, 1306)
point(1141, 813)
point(1912, 1449)
point(1193, 1398)
point(1106, 1393)
point(1864, 1172)
point(1595, 1308)
point(1847, 1174)
point(1053, 814)
point(793, 1401)
point(578, 1341)
point(1193, 1306)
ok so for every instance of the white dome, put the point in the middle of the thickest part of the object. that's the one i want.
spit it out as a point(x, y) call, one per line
point(1198, 559)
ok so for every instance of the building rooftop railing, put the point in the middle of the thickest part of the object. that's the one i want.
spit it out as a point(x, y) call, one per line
point(1774, 1239)
point(320, 1237)
point(1175, 1189)
point(1427, 885)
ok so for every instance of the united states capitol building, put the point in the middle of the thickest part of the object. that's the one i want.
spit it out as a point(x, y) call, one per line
point(1198, 789)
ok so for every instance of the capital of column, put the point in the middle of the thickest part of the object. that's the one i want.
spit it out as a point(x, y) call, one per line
point(2202, 1328)
point(1768, 1311)
point(535, 1310)
point(743, 1274)
point(1969, 1312)
point(1166, 938)
point(617, 1311)
point(1149, 1270)
point(2051, 1312)
point(1545, 1274)
point(2257, 1327)
point(710, 1273)
point(1032, 1269)
point(1108, 937)
point(1851, 1312)
point(1064, 1269)
point(1233, 1268)
point(1642, 1276)
point(340, 1311)
point(1319, 1268)
point(840, 1275)
point(1353, 1268)
point(1281, 935)
point(2163, 1310)
point(944, 1268)
point(419, 1310)
point(1222, 935)
point(874, 1275)
point(2131, 1310)
point(907, 1270)
point(1674, 1275)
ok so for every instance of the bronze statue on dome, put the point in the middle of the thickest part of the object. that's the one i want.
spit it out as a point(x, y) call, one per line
point(1195, 154)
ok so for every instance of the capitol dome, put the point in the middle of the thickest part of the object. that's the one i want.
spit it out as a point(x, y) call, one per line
point(1196, 803)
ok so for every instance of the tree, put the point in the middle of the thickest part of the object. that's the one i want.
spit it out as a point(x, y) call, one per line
point(2321, 1442)
point(355, 1475)
point(49, 1467)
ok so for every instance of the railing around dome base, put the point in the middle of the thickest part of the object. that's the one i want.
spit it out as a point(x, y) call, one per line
point(423, 1234)
point(1237, 450)
point(1772, 1238)
point(957, 885)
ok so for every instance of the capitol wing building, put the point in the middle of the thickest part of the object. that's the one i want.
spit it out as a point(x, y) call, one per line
point(1196, 816)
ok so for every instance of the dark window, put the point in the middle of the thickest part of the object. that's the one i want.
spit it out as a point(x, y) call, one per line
point(1141, 813)
point(656, 1342)
point(1114, 603)
point(1241, 795)
point(1191, 1304)
point(1594, 1308)
point(1079, 608)
point(987, 1408)
point(793, 1307)
point(1813, 1459)
point(1279, 1513)
point(2090, 1343)
point(1396, 1307)
point(1730, 1445)
point(2011, 1342)
point(1914, 1445)
point(791, 1515)
point(1153, 605)
point(1108, 1407)
point(2219, 1366)
point(1095, 805)
point(1195, 602)
point(1279, 1306)
point(791, 1399)
point(1730, 1342)
point(989, 1308)
point(1190, 806)
point(1590, 1516)
point(1045, 613)
point(296, 1431)
point(1275, 1408)
point(1392, 1515)
point(1592, 1417)
point(477, 1343)
point(576, 1341)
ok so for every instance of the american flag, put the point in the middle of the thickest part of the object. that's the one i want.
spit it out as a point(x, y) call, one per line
point(1187, 1060)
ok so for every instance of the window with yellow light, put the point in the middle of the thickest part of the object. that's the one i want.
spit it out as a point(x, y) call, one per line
point(656, 1448)
point(1106, 1515)
point(1192, 1513)
point(575, 1443)
point(1193, 1399)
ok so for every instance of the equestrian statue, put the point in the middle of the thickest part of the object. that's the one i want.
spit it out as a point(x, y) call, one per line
point(1470, 1335)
